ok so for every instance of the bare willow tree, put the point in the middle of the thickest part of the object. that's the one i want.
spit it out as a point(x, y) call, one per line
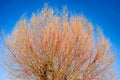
point(53, 46)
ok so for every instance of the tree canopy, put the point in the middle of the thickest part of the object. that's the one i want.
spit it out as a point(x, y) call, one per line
point(51, 46)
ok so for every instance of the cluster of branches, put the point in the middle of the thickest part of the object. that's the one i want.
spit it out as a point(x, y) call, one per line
point(58, 47)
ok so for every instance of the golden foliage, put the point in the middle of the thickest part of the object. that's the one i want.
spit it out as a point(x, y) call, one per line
point(52, 47)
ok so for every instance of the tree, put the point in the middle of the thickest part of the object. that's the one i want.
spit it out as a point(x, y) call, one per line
point(57, 47)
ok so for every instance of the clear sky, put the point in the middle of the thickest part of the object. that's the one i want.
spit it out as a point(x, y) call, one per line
point(102, 13)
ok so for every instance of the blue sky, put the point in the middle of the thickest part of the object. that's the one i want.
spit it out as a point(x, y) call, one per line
point(102, 13)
